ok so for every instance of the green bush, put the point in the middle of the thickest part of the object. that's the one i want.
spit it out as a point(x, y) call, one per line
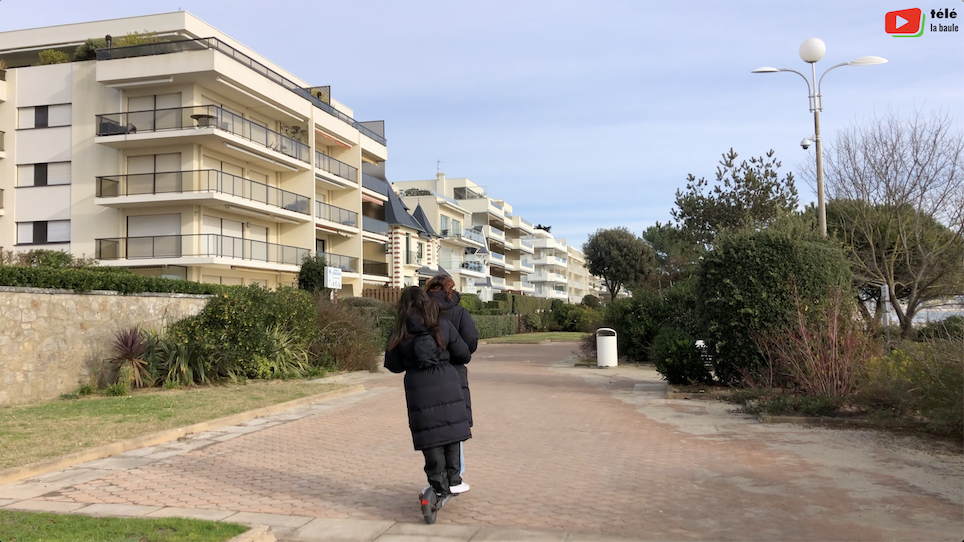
point(348, 338)
point(678, 359)
point(97, 278)
point(471, 303)
point(232, 335)
point(591, 301)
point(499, 306)
point(679, 307)
point(920, 380)
point(524, 304)
point(746, 289)
point(637, 321)
point(88, 49)
point(380, 314)
point(53, 56)
point(311, 276)
point(951, 327)
point(495, 326)
point(531, 322)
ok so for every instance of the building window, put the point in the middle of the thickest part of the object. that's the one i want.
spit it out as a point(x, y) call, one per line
point(456, 227)
point(445, 226)
point(44, 116)
point(52, 174)
point(43, 232)
point(421, 251)
point(408, 248)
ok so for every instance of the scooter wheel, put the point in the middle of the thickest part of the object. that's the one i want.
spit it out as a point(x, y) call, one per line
point(429, 502)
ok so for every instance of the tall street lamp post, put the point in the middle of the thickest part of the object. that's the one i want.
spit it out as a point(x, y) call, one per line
point(811, 51)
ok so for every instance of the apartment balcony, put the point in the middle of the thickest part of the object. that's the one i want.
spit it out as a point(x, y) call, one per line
point(496, 259)
point(463, 238)
point(549, 277)
point(347, 264)
point(545, 243)
point(519, 223)
point(519, 266)
point(472, 268)
point(522, 245)
point(125, 67)
point(550, 261)
point(498, 283)
point(335, 172)
point(375, 268)
point(494, 234)
point(207, 125)
point(527, 267)
point(199, 249)
point(208, 188)
point(330, 217)
point(374, 229)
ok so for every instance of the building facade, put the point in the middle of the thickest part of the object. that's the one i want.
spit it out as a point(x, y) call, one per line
point(176, 151)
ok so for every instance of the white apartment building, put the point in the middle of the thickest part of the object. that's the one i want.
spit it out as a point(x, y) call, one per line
point(490, 254)
point(551, 260)
point(189, 155)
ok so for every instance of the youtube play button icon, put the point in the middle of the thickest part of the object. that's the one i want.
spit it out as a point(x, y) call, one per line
point(904, 21)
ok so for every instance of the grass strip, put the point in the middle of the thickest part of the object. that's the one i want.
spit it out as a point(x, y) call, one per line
point(42, 431)
point(536, 338)
point(18, 526)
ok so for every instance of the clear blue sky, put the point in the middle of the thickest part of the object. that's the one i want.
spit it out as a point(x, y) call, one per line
point(581, 114)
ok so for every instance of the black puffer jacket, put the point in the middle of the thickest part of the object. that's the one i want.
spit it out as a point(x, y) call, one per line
point(462, 320)
point(436, 407)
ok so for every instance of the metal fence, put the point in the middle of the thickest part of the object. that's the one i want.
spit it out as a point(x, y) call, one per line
point(196, 245)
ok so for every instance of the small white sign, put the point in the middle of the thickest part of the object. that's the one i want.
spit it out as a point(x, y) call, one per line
point(333, 278)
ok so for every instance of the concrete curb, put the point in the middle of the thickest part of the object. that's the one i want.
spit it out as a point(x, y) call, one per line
point(257, 533)
point(36, 469)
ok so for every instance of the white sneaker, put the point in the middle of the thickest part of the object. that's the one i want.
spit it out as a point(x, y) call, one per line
point(461, 488)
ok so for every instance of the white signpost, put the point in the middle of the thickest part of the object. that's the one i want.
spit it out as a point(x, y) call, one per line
point(333, 281)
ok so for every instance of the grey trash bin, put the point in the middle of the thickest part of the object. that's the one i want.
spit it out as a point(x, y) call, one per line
point(606, 347)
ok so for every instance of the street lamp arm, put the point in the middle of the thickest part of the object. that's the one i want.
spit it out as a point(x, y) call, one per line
point(809, 89)
point(820, 83)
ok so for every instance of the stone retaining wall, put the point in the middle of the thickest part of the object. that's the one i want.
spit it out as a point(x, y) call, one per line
point(52, 341)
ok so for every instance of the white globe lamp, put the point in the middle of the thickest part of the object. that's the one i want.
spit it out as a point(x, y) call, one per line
point(812, 50)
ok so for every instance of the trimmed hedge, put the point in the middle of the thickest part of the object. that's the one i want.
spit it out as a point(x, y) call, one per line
point(495, 326)
point(101, 278)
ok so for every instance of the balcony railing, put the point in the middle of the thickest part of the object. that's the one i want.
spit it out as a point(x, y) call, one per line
point(497, 257)
point(178, 46)
point(204, 180)
point(463, 192)
point(197, 245)
point(345, 263)
point(374, 225)
point(375, 184)
point(200, 116)
point(526, 265)
point(336, 214)
point(372, 267)
point(474, 235)
point(478, 267)
point(337, 167)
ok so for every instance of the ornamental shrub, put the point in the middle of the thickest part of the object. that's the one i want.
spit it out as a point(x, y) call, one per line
point(350, 336)
point(311, 276)
point(746, 288)
point(53, 56)
point(100, 278)
point(636, 320)
point(88, 49)
point(678, 359)
point(234, 330)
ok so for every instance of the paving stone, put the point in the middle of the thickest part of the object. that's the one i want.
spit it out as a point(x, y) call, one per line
point(502, 534)
point(5, 502)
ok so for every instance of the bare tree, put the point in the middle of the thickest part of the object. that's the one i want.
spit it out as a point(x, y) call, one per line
point(896, 190)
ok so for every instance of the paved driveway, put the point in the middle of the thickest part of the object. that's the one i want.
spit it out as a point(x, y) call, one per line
point(555, 448)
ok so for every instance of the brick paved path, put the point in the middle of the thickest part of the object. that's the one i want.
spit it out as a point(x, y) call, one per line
point(579, 450)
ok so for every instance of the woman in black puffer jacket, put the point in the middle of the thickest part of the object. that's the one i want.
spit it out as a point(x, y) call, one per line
point(441, 288)
point(425, 347)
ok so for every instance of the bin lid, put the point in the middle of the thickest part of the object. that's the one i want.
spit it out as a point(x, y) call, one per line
point(606, 332)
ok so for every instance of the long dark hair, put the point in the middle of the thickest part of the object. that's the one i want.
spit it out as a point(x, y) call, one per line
point(441, 282)
point(415, 303)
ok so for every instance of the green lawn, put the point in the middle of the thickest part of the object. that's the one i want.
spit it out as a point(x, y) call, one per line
point(32, 526)
point(536, 338)
point(37, 432)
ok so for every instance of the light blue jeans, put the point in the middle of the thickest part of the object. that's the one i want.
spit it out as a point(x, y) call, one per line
point(461, 459)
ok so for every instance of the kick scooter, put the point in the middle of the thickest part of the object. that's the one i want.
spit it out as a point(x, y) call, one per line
point(431, 503)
